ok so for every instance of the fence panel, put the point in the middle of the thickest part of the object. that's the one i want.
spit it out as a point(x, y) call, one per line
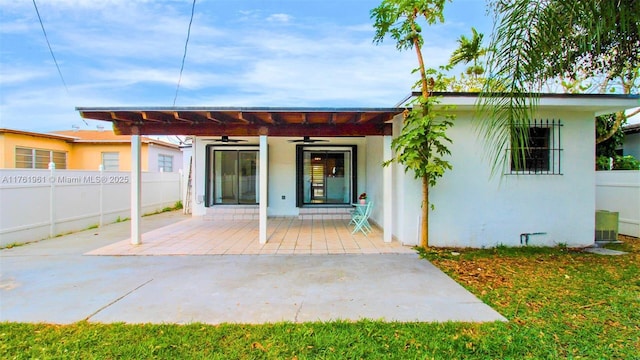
point(36, 204)
point(619, 190)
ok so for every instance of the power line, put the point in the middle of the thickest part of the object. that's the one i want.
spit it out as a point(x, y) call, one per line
point(184, 56)
point(50, 49)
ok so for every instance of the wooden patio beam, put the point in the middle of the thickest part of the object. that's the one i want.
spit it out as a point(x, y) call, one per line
point(223, 117)
point(209, 115)
point(275, 118)
point(240, 116)
point(294, 130)
point(156, 116)
point(126, 116)
point(356, 118)
point(183, 116)
point(101, 115)
point(253, 119)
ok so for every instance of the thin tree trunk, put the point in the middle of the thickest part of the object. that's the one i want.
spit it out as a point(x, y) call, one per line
point(424, 235)
point(424, 241)
point(423, 73)
point(619, 118)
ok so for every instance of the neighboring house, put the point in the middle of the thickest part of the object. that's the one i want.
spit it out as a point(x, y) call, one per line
point(287, 161)
point(84, 150)
point(32, 150)
point(631, 142)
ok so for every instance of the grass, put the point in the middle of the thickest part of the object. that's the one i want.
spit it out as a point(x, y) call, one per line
point(12, 245)
point(176, 206)
point(561, 303)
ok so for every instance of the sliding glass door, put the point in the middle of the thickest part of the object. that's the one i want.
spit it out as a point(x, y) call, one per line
point(234, 177)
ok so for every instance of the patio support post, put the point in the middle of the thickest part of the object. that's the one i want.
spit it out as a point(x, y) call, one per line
point(136, 186)
point(264, 156)
point(387, 192)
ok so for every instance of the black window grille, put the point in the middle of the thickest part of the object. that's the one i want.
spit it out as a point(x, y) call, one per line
point(542, 154)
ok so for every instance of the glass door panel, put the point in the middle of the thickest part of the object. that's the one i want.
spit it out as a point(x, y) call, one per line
point(226, 177)
point(337, 184)
point(248, 181)
point(326, 177)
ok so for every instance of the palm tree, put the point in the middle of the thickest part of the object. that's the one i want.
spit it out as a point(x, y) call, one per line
point(469, 50)
point(535, 41)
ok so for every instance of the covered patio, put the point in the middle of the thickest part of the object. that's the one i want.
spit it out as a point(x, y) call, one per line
point(261, 125)
point(286, 236)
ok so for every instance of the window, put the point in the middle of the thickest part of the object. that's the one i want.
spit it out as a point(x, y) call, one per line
point(542, 153)
point(24, 158)
point(111, 161)
point(27, 158)
point(165, 163)
point(60, 159)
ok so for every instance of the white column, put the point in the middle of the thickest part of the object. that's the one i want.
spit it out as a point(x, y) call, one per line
point(387, 192)
point(264, 156)
point(136, 186)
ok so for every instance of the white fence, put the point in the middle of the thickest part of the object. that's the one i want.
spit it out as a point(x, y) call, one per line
point(37, 204)
point(619, 190)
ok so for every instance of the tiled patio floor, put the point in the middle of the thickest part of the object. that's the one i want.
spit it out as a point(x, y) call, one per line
point(197, 236)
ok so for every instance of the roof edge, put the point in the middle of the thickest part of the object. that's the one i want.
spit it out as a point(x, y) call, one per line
point(241, 108)
point(37, 134)
point(540, 95)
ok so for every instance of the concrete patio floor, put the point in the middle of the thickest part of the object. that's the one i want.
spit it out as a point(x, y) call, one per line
point(286, 236)
point(52, 281)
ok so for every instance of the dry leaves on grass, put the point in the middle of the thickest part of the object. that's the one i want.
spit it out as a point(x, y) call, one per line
point(526, 283)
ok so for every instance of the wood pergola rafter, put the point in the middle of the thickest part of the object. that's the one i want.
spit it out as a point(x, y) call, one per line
point(216, 121)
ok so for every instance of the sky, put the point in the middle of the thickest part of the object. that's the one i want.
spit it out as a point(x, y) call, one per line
point(280, 53)
point(316, 53)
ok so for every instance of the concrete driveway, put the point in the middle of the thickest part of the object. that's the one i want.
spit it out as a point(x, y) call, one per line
point(52, 281)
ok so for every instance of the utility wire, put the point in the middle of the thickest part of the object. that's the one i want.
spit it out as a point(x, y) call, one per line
point(50, 50)
point(184, 56)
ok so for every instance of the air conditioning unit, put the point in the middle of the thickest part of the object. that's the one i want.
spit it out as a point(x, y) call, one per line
point(606, 225)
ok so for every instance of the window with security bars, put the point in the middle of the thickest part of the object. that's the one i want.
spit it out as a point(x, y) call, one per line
point(542, 154)
point(28, 158)
point(165, 163)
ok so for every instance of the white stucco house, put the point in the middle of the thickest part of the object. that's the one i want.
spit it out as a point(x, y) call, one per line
point(289, 161)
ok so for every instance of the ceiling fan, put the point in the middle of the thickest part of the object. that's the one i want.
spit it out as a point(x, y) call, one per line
point(307, 140)
point(225, 139)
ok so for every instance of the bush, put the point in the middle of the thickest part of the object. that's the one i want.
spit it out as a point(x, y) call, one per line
point(627, 162)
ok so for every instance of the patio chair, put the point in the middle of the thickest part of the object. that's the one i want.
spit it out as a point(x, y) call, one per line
point(361, 220)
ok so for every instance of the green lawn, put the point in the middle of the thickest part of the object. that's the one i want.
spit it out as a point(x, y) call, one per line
point(560, 304)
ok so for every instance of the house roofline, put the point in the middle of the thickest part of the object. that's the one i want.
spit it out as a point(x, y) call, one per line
point(247, 109)
point(143, 139)
point(37, 134)
point(539, 95)
point(631, 129)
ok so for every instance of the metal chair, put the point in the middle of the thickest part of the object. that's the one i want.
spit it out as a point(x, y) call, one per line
point(361, 220)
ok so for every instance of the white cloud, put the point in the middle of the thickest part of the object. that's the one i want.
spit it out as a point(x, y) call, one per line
point(18, 75)
point(124, 52)
point(280, 18)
